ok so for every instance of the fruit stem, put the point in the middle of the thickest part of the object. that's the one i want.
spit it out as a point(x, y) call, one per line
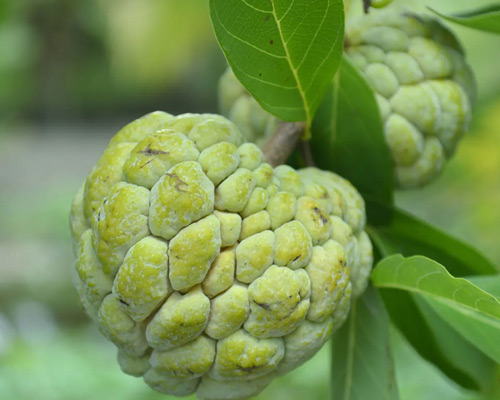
point(366, 5)
point(306, 153)
point(282, 142)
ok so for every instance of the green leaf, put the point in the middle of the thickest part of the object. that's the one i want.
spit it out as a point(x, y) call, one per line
point(485, 19)
point(417, 379)
point(459, 351)
point(348, 136)
point(362, 364)
point(427, 335)
point(490, 284)
point(410, 236)
point(471, 311)
point(481, 330)
point(285, 52)
point(3, 10)
point(410, 321)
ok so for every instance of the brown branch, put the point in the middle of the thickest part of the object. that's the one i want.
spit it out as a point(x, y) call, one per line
point(366, 5)
point(306, 153)
point(280, 145)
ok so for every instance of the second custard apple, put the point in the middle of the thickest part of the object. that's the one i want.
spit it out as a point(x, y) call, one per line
point(423, 85)
point(380, 3)
point(212, 272)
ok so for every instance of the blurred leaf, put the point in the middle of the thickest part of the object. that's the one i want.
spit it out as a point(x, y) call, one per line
point(410, 236)
point(362, 364)
point(411, 322)
point(3, 10)
point(485, 19)
point(348, 137)
point(78, 363)
point(418, 379)
point(285, 52)
point(162, 49)
point(468, 309)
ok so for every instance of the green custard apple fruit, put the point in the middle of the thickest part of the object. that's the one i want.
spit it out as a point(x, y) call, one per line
point(240, 107)
point(423, 85)
point(212, 272)
point(380, 3)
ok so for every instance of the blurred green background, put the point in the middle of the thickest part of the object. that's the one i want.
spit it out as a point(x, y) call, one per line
point(72, 72)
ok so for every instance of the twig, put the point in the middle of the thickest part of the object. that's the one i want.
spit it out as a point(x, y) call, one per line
point(366, 5)
point(306, 152)
point(282, 142)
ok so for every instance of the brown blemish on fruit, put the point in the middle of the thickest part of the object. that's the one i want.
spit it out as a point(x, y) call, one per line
point(148, 151)
point(124, 302)
point(247, 369)
point(146, 163)
point(265, 306)
point(178, 183)
point(320, 214)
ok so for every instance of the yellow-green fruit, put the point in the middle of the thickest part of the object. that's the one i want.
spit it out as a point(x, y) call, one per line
point(423, 86)
point(241, 108)
point(380, 3)
point(209, 270)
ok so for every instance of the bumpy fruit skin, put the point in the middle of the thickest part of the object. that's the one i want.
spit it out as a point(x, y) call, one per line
point(209, 270)
point(423, 86)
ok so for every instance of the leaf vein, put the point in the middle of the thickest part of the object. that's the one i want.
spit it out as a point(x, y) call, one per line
point(314, 38)
point(256, 8)
point(294, 71)
point(323, 62)
point(417, 282)
point(264, 81)
point(440, 298)
point(244, 41)
point(286, 12)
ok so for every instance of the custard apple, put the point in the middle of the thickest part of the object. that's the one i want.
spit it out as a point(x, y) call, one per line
point(210, 271)
point(240, 107)
point(380, 3)
point(423, 86)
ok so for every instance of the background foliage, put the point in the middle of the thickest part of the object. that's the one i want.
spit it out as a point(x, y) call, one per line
point(71, 73)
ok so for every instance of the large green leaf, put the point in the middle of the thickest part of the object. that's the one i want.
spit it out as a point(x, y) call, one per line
point(484, 19)
point(348, 136)
point(462, 354)
point(410, 236)
point(471, 311)
point(285, 52)
point(3, 10)
point(432, 338)
point(362, 364)
point(420, 380)
point(413, 324)
point(481, 330)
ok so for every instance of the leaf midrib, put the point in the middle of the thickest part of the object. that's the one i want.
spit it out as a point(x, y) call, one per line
point(292, 68)
point(351, 343)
